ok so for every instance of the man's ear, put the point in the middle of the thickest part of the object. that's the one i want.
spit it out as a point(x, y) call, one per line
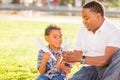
point(98, 15)
point(46, 38)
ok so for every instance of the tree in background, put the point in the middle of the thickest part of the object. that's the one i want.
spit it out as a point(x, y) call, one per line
point(114, 3)
point(83, 2)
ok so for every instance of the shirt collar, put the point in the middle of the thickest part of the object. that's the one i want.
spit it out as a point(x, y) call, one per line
point(104, 25)
point(59, 50)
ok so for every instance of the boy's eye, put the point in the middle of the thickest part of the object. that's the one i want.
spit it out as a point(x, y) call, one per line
point(86, 19)
point(54, 37)
point(60, 37)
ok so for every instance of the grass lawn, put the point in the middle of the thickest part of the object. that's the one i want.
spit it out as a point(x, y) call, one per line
point(18, 52)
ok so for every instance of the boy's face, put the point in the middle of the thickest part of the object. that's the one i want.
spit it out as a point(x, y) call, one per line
point(54, 39)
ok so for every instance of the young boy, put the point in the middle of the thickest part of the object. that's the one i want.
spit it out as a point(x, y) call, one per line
point(48, 68)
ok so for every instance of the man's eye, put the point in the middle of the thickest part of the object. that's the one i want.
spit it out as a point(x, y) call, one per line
point(86, 18)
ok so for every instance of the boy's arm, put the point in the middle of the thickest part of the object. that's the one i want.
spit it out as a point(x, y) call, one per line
point(42, 68)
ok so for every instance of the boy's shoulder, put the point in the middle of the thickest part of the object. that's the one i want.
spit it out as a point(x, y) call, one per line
point(41, 51)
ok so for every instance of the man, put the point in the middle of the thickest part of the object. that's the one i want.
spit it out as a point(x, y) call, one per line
point(97, 46)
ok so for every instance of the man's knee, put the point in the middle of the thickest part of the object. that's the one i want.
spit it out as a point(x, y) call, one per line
point(86, 73)
point(116, 55)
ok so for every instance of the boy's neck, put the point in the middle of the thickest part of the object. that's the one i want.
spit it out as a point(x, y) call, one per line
point(54, 49)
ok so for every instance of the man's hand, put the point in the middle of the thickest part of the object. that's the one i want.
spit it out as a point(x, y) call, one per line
point(72, 56)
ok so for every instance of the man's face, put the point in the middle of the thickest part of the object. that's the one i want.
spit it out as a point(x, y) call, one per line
point(90, 19)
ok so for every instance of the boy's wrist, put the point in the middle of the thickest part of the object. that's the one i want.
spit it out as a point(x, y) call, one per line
point(44, 60)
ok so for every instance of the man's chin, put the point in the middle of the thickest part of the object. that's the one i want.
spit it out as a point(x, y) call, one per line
point(88, 29)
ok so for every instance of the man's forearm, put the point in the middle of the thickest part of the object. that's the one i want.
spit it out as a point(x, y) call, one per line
point(96, 61)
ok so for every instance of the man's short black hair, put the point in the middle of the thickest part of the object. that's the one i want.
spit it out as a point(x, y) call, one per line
point(95, 6)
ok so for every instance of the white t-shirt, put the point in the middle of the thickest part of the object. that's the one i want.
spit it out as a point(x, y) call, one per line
point(94, 44)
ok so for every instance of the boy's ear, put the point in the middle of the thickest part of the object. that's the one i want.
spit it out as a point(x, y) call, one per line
point(46, 38)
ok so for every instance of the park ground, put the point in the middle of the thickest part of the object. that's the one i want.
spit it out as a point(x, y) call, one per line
point(18, 52)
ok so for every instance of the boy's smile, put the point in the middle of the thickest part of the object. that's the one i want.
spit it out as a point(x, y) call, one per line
point(54, 39)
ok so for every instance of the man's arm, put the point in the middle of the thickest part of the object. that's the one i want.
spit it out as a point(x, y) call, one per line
point(76, 56)
point(102, 60)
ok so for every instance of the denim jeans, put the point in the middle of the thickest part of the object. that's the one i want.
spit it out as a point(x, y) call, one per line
point(42, 77)
point(110, 72)
point(85, 73)
point(57, 77)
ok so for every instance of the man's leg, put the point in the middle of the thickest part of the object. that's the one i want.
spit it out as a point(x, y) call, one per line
point(101, 71)
point(86, 73)
point(112, 72)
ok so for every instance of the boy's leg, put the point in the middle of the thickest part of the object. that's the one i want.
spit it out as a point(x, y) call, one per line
point(113, 70)
point(85, 73)
point(42, 77)
point(58, 77)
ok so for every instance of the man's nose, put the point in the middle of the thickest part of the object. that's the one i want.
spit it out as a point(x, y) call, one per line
point(84, 21)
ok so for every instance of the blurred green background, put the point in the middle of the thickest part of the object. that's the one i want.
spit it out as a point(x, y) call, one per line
point(19, 30)
point(18, 52)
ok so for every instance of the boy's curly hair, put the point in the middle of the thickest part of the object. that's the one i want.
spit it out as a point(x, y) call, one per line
point(50, 28)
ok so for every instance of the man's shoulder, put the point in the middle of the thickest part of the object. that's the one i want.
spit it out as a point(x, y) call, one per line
point(82, 28)
point(109, 26)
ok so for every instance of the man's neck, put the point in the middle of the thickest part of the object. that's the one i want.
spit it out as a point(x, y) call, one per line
point(99, 25)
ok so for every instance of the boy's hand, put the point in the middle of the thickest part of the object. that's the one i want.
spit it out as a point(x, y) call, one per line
point(59, 58)
point(65, 68)
point(59, 65)
point(46, 56)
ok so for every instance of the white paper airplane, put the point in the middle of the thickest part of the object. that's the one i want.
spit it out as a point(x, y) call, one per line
point(41, 45)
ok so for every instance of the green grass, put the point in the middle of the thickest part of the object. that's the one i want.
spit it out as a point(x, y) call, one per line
point(18, 52)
